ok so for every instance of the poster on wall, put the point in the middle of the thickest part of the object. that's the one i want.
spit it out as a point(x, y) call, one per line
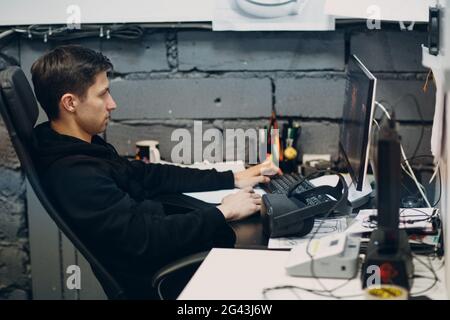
point(268, 15)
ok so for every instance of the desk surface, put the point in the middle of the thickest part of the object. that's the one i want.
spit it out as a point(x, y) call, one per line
point(240, 274)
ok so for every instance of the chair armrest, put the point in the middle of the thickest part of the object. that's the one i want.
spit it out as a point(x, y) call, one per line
point(175, 266)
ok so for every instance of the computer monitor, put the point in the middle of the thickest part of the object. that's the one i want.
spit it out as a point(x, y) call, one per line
point(354, 139)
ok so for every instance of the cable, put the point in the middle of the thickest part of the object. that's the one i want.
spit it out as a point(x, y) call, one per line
point(124, 31)
point(311, 256)
point(430, 268)
point(440, 188)
point(419, 112)
point(438, 171)
point(371, 221)
point(318, 292)
point(410, 175)
point(64, 33)
point(413, 176)
point(329, 292)
point(403, 168)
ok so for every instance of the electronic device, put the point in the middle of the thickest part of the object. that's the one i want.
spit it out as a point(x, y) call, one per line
point(291, 215)
point(282, 184)
point(357, 117)
point(334, 256)
point(433, 30)
point(388, 248)
point(288, 214)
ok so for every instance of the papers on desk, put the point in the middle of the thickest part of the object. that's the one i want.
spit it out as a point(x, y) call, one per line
point(215, 197)
point(327, 227)
point(362, 223)
point(234, 166)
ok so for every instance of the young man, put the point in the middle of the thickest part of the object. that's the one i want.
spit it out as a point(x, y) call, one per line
point(112, 203)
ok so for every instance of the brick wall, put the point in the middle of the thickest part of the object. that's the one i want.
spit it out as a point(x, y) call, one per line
point(229, 80)
point(14, 258)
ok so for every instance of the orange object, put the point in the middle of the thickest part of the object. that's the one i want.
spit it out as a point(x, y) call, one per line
point(278, 152)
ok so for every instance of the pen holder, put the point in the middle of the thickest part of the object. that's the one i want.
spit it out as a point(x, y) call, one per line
point(147, 151)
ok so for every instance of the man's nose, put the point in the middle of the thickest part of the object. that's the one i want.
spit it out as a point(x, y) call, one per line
point(111, 104)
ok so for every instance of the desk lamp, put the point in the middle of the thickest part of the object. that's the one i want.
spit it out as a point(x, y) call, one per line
point(388, 250)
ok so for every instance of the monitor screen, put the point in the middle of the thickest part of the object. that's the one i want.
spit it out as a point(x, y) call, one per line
point(357, 120)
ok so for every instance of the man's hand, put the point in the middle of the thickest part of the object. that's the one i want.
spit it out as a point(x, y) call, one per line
point(256, 174)
point(240, 205)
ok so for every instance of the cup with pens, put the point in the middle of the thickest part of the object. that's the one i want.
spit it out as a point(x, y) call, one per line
point(290, 135)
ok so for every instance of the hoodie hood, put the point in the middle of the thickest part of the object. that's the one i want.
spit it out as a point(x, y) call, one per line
point(52, 146)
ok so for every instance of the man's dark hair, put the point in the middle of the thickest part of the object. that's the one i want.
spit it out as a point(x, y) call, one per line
point(66, 69)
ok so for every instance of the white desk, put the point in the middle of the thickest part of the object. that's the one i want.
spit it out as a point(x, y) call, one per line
point(238, 274)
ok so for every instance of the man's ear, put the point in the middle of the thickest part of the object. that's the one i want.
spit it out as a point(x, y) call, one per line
point(69, 102)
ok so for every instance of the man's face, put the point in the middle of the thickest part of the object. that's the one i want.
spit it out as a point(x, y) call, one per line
point(92, 112)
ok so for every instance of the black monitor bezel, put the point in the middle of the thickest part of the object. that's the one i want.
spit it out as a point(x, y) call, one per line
point(368, 125)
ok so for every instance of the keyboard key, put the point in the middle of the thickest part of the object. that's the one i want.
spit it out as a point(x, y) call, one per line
point(282, 184)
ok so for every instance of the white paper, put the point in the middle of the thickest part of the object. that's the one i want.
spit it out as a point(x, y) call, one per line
point(394, 10)
point(328, 227)
point(227, 15)
point(215, 197)
point(362, 224)
point(235, 166)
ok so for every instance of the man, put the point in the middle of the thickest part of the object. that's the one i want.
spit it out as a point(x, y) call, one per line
point(112, 203)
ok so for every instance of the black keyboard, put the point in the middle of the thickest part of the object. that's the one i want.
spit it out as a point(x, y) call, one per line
point(282, 183)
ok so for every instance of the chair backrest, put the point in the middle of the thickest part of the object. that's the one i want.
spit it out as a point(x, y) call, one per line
point(20, 111)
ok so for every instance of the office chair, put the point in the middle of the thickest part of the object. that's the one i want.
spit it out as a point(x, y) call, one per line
point(19, 110)
point(170, 280)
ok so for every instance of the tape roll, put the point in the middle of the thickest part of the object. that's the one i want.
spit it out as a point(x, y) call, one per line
point(386, 292)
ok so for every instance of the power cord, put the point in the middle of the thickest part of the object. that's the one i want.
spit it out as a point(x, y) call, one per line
point(402, 166)
point(430, 267)
point(428, 255)
point(413, 176)
point(438, 173)
point(311, 256)
point(325, 291)
point(371, 221)
point(64, 33)
point(419, 112)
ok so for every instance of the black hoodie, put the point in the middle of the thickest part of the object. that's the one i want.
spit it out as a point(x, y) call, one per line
point(107, 200)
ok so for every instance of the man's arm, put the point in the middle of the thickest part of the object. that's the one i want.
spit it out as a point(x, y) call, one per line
point(160, 178)
point(107, 215)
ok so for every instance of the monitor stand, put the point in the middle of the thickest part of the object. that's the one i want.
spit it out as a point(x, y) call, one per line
point(357, 198)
